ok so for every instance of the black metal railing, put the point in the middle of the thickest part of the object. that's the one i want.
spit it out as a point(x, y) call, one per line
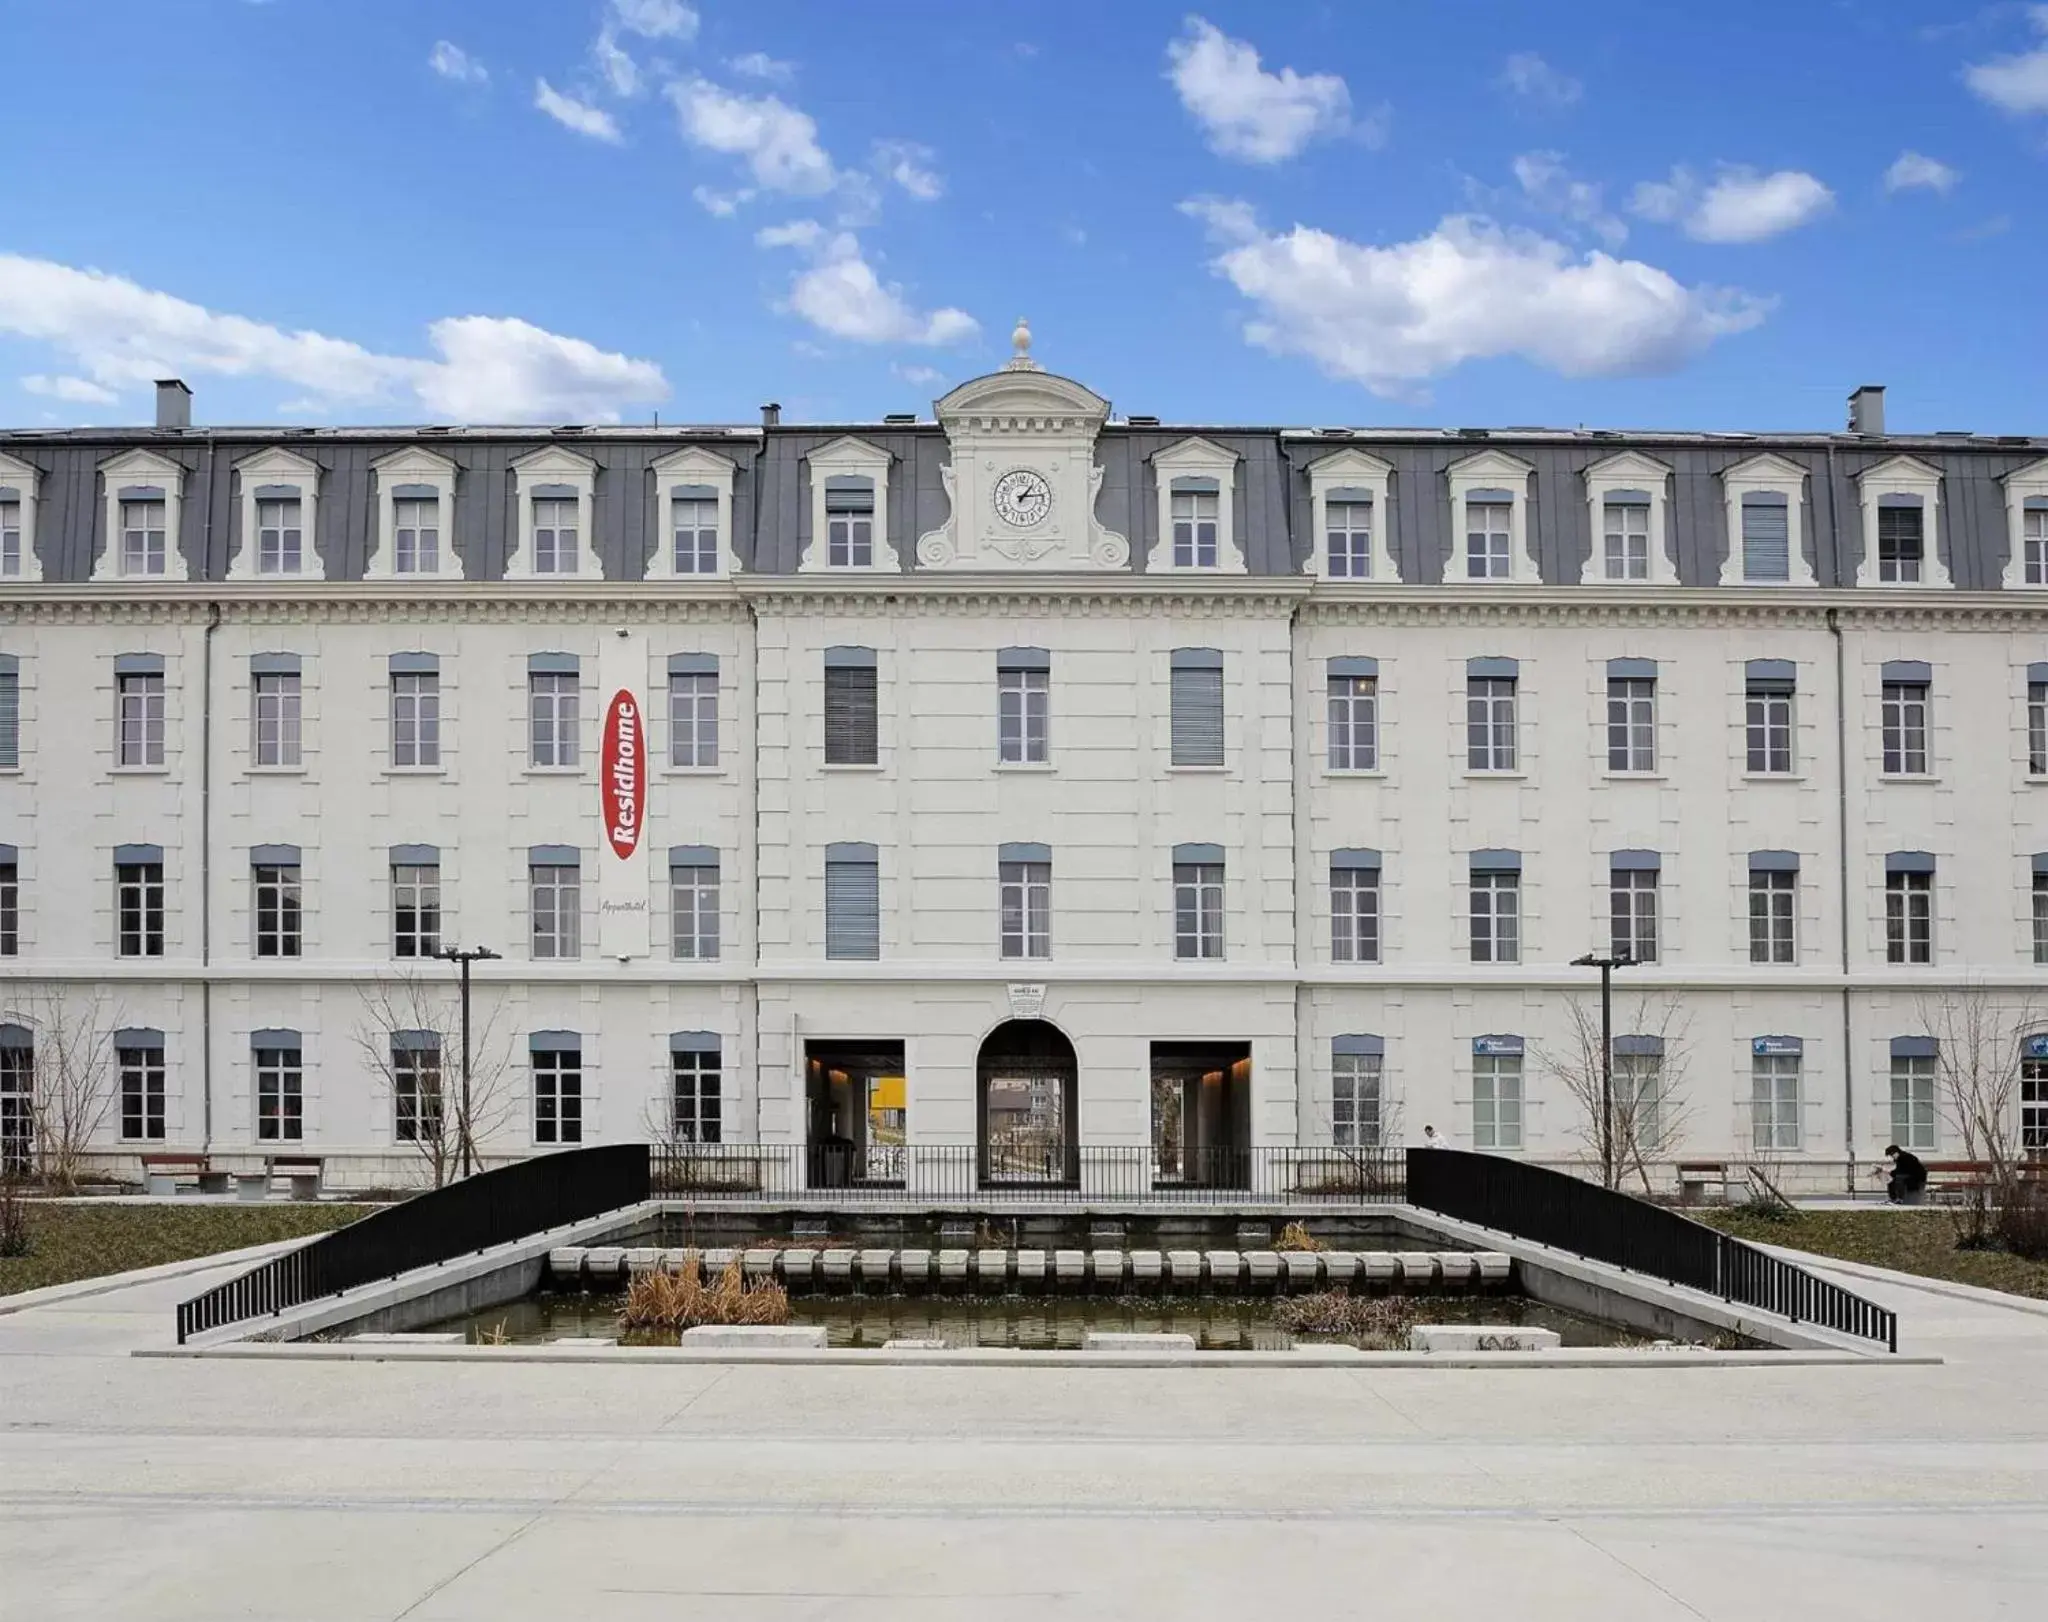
point(491, 1208)
point(1061, 1174)
point(1567, 1213)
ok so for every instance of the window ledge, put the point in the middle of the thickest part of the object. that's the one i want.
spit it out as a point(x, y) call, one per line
point(1632, 777)
point(693, 771)
point(140, 771)
point(1042, 767)
point(553, 771)
point(851, 766)
point(415, 771)
point(1197, 771)
point(1497, 777)
point(1367, 772)
point(1907, 777)
point(1776, 777)
point(277, 771)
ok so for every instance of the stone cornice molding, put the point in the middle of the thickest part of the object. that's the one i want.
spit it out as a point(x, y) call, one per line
point(1213, 597)
point(379, 602)
point(1592, 606)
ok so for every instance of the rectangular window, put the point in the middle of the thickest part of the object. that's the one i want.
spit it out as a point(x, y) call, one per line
point(694, 536)
point(1025, 903)
point(693, 911)
point(1913, 1102)
point(2034, 541)
point(415, 909)
point(1355, 1100)
point(278, 537)
point(10, 539)
point(1486, 540)
point(1023, 709)
point(2041, 917)
point(1627, 537)
point(1898, 544)
point(1772, 897)
point(139, 909)
point(1770, 728)
point(142, 1094)
point(10, 910)
point(143, 547)
point(1490, 723)
point(2037, 729)
point(852, 737)
point(853, 909)
point(1198, 909)
point(2033, 1103)
point(416, 719)
point(557, 893)
point(1194, 529)
point(1348, 528)
point(1766, 541)
point(1909, 918)
point(1632, 720)
point(1638, 1104)
point(1354, 915)
point(416, 526)
point(276, 713)
point(1496, 917)
point(141, 728)
point(10, 719)
point(551, 699)
point(280, 1096)
point(554, 535)
point(557, 1096)
point(1197, 714)
point(17, 1109)
point(696, 1077)
point(1632, 904)
point(693, 718)
point(1774, 1101)
point(416, 1092)
point(850, 526)
point(1905, 723)
point(278, 914)
point(1496, 1101)
point(1354, 723)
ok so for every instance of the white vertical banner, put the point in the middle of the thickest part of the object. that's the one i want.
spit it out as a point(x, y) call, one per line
point(623, 909)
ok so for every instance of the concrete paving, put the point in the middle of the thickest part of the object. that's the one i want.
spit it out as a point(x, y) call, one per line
point(214, 1488)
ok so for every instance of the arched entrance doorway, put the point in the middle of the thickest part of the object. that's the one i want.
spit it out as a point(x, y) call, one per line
point(1026, 1085)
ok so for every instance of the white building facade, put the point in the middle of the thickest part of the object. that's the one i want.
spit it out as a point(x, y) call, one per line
point(1020, 782)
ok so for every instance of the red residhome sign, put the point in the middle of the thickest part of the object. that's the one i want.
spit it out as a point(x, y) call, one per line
point(622, 776)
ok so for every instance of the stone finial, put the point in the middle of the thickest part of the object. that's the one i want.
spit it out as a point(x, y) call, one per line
point(1020, 341)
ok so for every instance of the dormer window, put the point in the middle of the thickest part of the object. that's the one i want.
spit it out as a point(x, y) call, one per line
point(849, 509)
point(693, 532)
point(1197, 491)
point(144, 497)
point(1347, 533)
point(554, 488)
point(143, 536)
point(693, 515)
point(279, 492)
point(19, 483)
point(415, 517)
point(1901, 524)
point(554, 532)
point(1627, 509)
point(416, 534)
point(278, 536)
point(1490, 520)
point(2026, 515)
point(1625, 535)
point(1765, 502)
point(1900, 544)
point(1350, 498)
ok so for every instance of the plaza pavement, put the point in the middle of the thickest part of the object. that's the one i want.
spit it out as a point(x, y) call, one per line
point(171, 1489)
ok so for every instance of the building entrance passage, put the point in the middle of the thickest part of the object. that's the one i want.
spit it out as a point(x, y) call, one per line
point(855, 1097)
point(1026, 1084)
point(1201, 1114)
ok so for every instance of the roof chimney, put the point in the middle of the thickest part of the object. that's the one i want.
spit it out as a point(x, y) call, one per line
point(1866, 409)
point(173, 403)
point(771, 415)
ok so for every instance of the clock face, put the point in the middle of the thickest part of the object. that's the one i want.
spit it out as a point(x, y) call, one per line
point(1023, 498)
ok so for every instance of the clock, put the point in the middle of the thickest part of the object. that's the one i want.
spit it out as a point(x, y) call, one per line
point(1022, 497)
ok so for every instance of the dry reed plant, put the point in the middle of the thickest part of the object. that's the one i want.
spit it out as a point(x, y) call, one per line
point(1295, 1236)
point(680, 1299)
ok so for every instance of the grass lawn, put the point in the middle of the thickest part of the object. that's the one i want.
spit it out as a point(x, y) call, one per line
point(68, 1242)
point(1922, 1242)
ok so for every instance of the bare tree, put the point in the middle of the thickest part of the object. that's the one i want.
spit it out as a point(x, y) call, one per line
point(1648, 1111)
point(71, 1087)
point(1979, 1042)
point(410, 1037)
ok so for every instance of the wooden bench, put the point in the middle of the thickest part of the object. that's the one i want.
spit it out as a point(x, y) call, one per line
point(303, 1172)
point(1951, 1180)
point(1694, 1176)
point(162, 1171)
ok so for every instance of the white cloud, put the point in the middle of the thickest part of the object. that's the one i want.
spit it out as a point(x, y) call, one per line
point(620, 71)
point(1246, 112)
point(723, 204)
point(122, 335)
point(760, 65)
point(840, 294)
point(576, 115)
point(656, 19)
point(2019, 83)
point(1915, 170)
point(1551, 187)
point(1394, 317)
point(908, 164)
point(778, 142)
point(923, 377)
point(1527, 75)
point(78, 390)
point(1740, 206)
point(451, 61)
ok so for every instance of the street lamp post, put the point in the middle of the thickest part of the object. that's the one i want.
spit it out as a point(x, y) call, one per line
point(1606, 966)
point(474, 954)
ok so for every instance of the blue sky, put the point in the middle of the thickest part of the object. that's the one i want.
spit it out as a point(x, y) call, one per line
point(1616, 213)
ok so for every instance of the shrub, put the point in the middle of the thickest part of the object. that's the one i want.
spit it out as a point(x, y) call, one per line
point(14, 1239)
point(1383, 1320)
point(2021, 1222)
point(1295, 1236)
point(680, 1299)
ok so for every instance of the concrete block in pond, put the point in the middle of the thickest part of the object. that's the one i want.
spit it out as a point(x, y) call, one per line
point(1494, 1266)
point(1146, 1266)
point(1226, 1268)
point(915, 1268)
point(1304, 1268)
point(758, 1263)
point(1455, 1266)
point(992, 1269)
point(718, 1260)
point(953, 1269)
point(565, 1265)
point(1070, 1266)
point(1481, 1338)
point(908, 1344)
point(838, 1269)
point(1106, 1269)
point(1254, 1235)
point(604, 1263)
point(799, 1267)
point(643, 1258)
point(1030, 1268)
point(1417, 1267)
point(411, 1337)
point(757, 1337)
point(1340, 1266)
point(1264, 1266)
point(1111, 1340)
point(672, 1260)
point(1184, 1269)
point(874, 1267)
point(1379, 1267)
